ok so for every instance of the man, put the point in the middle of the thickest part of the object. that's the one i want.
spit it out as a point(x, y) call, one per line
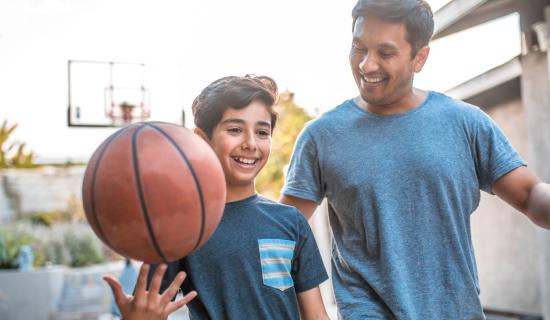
point(402, 171)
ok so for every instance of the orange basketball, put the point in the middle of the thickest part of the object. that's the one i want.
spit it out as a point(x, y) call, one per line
point(154, 192)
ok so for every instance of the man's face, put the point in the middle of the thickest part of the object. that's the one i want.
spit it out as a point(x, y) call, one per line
point(381, 63)
point(242, 142)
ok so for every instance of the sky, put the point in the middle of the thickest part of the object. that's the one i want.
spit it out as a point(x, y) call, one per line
point(302, 44)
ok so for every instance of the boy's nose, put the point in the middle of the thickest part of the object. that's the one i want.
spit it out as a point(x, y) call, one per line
point(249, 142)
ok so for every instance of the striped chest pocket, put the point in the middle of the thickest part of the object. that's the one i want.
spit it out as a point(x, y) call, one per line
point(276, 259)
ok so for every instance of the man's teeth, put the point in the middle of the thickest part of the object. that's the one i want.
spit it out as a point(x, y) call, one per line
point(245, 161)
point(373, 80)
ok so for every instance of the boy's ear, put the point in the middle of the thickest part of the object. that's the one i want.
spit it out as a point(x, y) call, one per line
point(202, 134)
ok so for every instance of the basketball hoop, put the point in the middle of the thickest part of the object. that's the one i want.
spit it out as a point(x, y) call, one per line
point(126, 105)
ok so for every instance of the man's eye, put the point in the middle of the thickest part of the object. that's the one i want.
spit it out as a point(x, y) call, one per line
point(357, 47)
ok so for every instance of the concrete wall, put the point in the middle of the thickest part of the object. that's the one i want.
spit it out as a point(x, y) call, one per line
point(505, 241)
point(24, 191)
point(535, 85)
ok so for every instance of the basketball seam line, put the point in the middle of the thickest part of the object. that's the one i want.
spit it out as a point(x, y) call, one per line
point(195, 178)
point(141, 196)
point(94, 175)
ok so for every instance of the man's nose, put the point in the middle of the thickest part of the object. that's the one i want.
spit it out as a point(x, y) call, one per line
point(368, 64)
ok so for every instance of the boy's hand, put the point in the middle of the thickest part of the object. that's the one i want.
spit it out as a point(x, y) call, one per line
point(149, 305)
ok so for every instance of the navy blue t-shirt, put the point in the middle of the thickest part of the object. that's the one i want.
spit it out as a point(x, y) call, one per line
point(261, 255)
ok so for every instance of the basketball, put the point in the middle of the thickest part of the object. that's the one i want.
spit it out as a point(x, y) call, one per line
point(154, 192)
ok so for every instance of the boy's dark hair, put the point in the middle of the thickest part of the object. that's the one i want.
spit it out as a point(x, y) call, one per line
point(416, 15)
point(232, 92)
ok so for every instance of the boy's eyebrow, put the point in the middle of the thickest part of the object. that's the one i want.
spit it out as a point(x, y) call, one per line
point(241, 121)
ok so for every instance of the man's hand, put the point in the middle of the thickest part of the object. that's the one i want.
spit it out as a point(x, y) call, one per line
point(149, 305)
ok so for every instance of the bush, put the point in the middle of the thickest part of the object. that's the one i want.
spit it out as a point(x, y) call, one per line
point(12, 238)
point(71, 244)
point(84, 248)
point(47, 218)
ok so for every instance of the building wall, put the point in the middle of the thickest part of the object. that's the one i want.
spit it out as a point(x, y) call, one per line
point(26, 191)
point(505, 240)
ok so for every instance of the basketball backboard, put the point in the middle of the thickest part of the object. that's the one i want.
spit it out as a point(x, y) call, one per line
point(116, 94)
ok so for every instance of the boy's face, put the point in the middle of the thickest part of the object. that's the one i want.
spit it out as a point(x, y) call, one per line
point(242, 142)
point(381, 62)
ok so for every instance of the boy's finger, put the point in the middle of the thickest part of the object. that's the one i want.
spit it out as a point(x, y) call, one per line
point(141, 284)
point(120, 296)
point(180, 303)
point(157, 279)
point(173, 288)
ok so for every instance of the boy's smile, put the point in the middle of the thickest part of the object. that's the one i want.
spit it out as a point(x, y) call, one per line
point(242, 142)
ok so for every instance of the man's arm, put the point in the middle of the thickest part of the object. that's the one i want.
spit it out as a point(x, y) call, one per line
point(311, 305)
point(306, 207)
point(524, 191)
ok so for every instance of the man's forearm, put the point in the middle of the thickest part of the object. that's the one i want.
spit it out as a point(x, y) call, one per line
point(538, 209)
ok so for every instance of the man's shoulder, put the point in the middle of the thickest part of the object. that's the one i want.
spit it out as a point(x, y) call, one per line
point(327, 119)
point(456, 108)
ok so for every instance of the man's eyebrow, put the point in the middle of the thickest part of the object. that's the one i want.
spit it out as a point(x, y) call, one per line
point(389, 46)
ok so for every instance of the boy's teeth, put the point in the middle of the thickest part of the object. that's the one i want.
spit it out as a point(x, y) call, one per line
point(247, 161)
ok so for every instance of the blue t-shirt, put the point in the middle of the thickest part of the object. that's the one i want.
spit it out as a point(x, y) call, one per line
point(401, 189)
point(261, 255)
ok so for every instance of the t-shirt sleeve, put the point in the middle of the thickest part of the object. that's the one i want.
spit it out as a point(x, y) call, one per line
point(308, 270)
point(495, 156)
point(303, 179)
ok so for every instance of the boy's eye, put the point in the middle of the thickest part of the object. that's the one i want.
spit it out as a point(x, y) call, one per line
point(264, 132)
point(234, 130)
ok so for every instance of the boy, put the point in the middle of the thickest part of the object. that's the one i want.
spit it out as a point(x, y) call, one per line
point(262, 261)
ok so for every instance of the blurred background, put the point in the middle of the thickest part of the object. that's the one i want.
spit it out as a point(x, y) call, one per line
point(68, 67)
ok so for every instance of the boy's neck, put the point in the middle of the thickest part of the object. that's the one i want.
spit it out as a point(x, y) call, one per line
point(236, 193)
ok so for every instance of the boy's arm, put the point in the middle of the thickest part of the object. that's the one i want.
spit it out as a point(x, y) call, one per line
point(306, 207)
point(311, 305)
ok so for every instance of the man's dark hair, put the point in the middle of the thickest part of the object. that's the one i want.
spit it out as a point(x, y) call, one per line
point(232, 92)
point(416, 15)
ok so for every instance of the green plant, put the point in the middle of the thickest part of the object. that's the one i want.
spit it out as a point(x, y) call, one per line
point(20, 159)
point(71, 244)
point(12, 237)
point(84, 247)
point(292, 118)
point(47, 218)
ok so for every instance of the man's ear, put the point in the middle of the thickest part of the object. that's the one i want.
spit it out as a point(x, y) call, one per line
point(202, 134)
point(420, 59)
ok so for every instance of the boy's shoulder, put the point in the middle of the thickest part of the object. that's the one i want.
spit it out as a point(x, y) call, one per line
point(281, 210)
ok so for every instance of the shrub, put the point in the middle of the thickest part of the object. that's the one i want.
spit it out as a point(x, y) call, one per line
point(84, 247)
point(12, 238)
point(71, 244)
point(47, 218)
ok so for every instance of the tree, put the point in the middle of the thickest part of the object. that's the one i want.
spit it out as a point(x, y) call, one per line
point(20, 158)
point(291, 121)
